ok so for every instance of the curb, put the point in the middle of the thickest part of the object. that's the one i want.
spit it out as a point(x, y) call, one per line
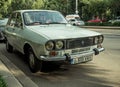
point(9, 78)
point(13, 76)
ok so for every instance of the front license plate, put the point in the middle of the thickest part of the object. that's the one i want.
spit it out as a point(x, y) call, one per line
point(81, 59)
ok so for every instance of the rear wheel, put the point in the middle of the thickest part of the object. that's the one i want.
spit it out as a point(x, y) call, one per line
point(9, 47)
point(34, 63)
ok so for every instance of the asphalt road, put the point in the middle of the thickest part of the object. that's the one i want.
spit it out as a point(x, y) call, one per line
point(103, 71)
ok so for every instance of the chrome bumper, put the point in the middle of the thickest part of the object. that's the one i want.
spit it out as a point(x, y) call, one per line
point(57, 58)
point(68, 57)
point(101, 49)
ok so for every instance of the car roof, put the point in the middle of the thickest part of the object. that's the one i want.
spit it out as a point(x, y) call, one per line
point(22, 11)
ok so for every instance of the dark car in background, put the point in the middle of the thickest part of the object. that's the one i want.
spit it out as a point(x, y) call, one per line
point(3, 22)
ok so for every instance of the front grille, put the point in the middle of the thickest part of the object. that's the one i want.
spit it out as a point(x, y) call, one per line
point(79, 42)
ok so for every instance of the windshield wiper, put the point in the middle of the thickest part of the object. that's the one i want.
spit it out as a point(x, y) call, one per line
point(55, 23)
point(34, 23)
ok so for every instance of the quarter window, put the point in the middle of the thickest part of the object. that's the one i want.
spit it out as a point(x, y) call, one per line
point(12, 20)
point(15, 20)
point(18, 20)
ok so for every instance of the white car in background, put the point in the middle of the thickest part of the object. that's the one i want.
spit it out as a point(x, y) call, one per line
point(74, 19)
point(76, 22)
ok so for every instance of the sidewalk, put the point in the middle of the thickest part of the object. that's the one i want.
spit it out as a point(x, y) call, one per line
point(12, 75)
point(8, 76)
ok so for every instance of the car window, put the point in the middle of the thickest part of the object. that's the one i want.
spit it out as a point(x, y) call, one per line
point(43, 17)
point(12, 20)
point(15, 20)
point(18, 22)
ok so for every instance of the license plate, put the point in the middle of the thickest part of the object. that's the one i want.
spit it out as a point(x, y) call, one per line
point(81, 59)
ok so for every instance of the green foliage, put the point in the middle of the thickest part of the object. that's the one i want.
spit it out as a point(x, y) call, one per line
point(4, 6)
point(2, 82)
point(94, 8)
point(87, 9)
point(114, 6)
point(60, 5)
point(38, 4)
point(116, 24)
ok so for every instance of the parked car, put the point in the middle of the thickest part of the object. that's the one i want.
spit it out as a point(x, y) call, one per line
point(3, 22)
point(76, 22)
point(116, 19)
point(95, 21)
point(29, 32)
point(74, 19)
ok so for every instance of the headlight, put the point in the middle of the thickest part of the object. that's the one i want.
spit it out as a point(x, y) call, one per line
point(59, 45)
point(96, 40)
point(49, 45)
point(100, 39)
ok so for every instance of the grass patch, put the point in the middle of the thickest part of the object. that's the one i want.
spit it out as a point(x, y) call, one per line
point(2, 82)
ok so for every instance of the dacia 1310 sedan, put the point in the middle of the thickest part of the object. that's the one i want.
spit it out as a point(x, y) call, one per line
point(45, 36)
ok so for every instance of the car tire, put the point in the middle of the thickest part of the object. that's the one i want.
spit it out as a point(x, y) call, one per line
point(9, 47)
point(34, 63)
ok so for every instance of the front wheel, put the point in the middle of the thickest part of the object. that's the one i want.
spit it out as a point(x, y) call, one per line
point(9, 48)
point(34, 63)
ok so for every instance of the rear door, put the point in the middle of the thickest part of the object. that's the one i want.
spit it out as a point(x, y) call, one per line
point(14, 30)
point(10, 28)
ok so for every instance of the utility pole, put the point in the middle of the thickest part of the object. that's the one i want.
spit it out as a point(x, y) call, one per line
point(76, 7)
point(67, 6)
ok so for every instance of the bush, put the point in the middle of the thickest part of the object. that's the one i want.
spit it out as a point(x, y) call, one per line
point(103, 24)
point(2, 82)
point(116, 24)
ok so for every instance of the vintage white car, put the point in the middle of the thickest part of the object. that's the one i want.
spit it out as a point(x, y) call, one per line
point(45, 35)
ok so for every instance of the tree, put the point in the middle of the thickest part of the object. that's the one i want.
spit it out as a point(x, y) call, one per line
point(60, 5)
point(94, 8)
point(86, 8)
point(4, 7)
point(114, 7)
point(38, 4)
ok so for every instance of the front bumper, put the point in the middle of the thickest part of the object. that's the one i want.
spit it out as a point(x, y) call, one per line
point(68, 57)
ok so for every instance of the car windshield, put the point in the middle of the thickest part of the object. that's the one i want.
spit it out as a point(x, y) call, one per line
point(43, 17)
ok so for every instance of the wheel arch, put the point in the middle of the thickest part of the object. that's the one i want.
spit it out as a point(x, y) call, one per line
point(26, 47)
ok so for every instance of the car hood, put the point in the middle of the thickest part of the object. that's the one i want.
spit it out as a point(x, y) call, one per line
point(61, 31)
